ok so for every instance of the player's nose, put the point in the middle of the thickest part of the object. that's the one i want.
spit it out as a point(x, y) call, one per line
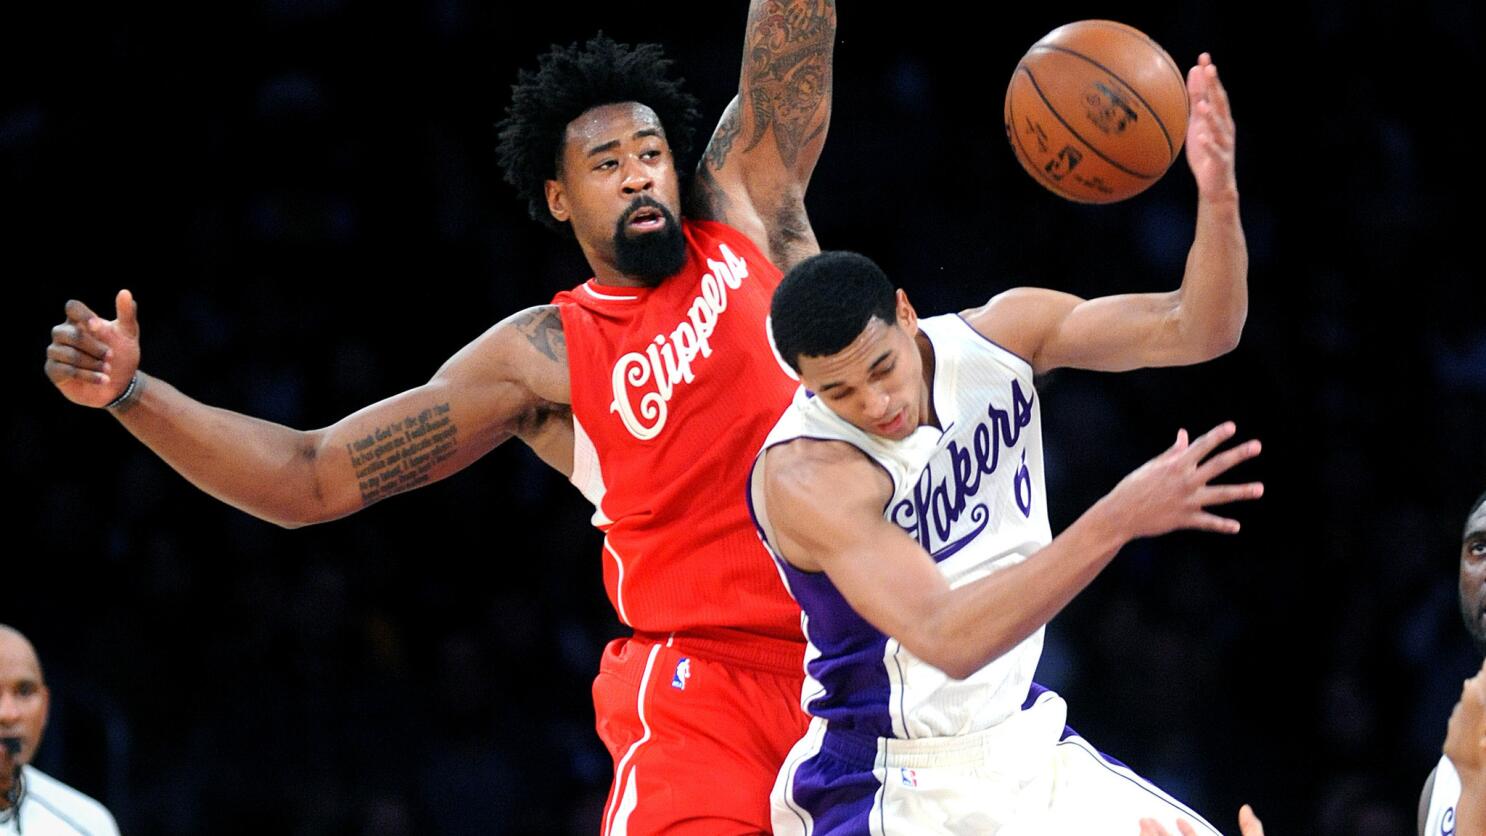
point(636, 179)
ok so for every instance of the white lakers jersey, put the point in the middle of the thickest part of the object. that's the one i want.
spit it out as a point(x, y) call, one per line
point(1441, 819)
point(973, 496)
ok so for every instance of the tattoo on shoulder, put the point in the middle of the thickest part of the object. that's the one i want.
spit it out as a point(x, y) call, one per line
point(542, 327)
point(788, 71)
point(401, 455)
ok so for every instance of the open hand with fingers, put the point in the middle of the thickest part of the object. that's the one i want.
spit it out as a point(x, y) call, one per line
point(1172, 491)
point(1210, 134)
point(1248, 825)
point(91, 360)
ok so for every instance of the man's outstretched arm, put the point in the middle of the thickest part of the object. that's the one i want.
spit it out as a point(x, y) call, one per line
point(1198, 321)
point(824, 503)
point(760, 158)
point(512, 381)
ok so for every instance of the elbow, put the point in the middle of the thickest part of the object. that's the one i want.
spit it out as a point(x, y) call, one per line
point(1225, 339)
point(1212, 341)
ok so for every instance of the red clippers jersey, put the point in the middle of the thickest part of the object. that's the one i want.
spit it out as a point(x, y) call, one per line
point(674, 389)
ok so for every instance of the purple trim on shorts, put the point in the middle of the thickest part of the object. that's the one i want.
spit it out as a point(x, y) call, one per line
point(837, 792)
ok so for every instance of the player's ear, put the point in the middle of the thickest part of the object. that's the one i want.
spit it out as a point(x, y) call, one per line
point(557, 200)
point(907, 316)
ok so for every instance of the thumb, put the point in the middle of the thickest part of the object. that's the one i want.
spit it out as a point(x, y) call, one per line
point(1181, 441)
point(128, 313)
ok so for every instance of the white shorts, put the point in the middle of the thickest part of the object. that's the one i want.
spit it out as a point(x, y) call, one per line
point(1030, 775)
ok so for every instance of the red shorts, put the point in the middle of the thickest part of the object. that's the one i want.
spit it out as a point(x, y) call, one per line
point(696, 742)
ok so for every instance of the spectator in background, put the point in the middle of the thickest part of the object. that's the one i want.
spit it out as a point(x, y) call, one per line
point(1442, 807)
point(32, 802)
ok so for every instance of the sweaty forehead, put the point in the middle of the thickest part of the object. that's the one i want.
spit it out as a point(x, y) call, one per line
point(610, 122)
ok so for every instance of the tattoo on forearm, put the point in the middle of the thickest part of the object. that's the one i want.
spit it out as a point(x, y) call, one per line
point(542, 327)
point(401, 455)
point(788, 71)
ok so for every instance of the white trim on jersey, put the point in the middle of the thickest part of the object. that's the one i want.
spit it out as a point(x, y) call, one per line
point(595, 294)
point(588, 474)
point(618, 584)
point(616, 818)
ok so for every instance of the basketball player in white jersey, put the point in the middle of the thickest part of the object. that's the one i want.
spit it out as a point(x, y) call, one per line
point(1443, 804)
point(902, 495)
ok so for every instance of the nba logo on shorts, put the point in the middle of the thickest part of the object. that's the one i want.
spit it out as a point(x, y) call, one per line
point(683, 673)
point(908, 777)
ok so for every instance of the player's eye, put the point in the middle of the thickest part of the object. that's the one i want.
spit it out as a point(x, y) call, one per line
point(26, 689)
point(884, 371)
point(606, 165)
point(1476, 547)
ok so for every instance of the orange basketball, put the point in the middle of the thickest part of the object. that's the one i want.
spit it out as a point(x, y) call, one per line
point(1096, 111)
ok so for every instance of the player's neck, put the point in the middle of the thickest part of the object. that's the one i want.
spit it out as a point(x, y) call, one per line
point(928, 417)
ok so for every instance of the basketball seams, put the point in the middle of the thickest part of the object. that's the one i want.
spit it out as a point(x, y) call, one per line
point(1166, 134)
point(1036, 88)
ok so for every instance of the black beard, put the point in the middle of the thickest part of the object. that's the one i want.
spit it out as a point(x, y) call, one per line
point(651, 257)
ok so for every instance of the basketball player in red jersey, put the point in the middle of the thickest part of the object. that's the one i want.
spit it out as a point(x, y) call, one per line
point(650, 386)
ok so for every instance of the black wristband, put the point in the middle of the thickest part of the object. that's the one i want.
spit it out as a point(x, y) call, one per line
point(127, 393)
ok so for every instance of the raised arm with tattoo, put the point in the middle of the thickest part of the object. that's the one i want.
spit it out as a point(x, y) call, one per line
point(758, 164)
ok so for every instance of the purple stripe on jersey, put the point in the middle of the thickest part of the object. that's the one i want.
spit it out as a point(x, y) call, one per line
point(1032, 694)
point(838, 794)
point(850, 666)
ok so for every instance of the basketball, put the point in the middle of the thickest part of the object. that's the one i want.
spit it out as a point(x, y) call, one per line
point(1096, 111)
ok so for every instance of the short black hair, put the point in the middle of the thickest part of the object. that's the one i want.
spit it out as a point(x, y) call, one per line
point(826, 301)
point(570, 81)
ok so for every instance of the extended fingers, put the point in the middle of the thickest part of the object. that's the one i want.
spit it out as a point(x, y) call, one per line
point(1204, 521)
point(1216, 92)
point(1209, 440)
point(1248, 823)
point(1224, 494)
point(1226, 460)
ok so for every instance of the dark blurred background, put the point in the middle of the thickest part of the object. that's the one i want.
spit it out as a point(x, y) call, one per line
point(303, 197)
